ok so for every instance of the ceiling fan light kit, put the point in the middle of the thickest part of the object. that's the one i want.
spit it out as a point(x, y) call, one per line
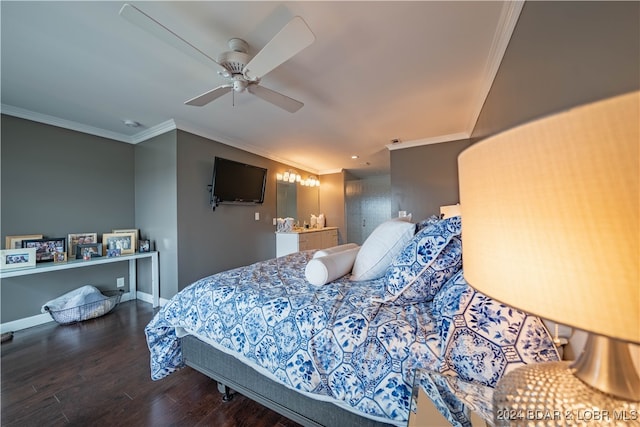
point(236, 65)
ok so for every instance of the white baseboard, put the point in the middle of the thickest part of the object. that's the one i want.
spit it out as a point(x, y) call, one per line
point(143, 296)
point(25, 323)
point(41, 319)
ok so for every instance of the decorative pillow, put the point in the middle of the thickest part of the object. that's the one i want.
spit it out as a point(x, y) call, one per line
point(334, 249)
point(377, 252)
point(425, 264)
point(483, 339)
point(322, 270)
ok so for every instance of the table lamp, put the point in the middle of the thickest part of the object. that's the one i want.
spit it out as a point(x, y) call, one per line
point(550, 225)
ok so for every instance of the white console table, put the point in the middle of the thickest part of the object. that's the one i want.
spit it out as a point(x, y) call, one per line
point(78, 263)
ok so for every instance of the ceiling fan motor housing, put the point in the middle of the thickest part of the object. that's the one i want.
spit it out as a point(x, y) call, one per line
point(233, 61)
point(237, 58)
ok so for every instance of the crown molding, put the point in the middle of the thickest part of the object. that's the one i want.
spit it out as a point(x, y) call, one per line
point(428, 141)
point(21, 113)
point(149, 133)
point(504, 30)
point(329, 171)
point(153, 131)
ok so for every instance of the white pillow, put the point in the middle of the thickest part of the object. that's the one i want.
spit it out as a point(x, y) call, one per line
point(322, 270)
point(334, 249)
point(377, 252)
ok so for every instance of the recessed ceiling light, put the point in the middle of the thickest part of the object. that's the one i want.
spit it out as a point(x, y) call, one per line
point(131, 123)
point(355, 157)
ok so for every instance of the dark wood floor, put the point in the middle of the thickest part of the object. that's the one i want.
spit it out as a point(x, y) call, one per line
point(96, 373)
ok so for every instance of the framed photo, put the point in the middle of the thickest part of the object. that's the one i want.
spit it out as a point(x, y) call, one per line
point(80, 239)
point(136, 236)
point(124, 241)
point(17, 258)
point(113, 252)
point(144, 245)
point(88, 250)
point(46, 248)
point(59, 257)
point(15, 242)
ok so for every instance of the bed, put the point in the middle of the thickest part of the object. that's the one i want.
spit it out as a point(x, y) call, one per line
point(345, 352)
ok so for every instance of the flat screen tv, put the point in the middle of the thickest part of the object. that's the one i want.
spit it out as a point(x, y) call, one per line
point(236, 182)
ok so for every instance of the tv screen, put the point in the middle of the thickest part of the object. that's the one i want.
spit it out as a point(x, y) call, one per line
point(235, 182)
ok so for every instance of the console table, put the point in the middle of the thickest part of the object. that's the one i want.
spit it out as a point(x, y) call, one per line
point(78, 263)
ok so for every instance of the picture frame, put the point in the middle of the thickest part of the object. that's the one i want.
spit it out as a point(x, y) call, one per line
point(136, 235)
point(88, 250)
point(79, 239)
point(15, 242)
point(46, 247)
point(17, 258)
point(144, 245)
point(59, 257)
point(124, 241)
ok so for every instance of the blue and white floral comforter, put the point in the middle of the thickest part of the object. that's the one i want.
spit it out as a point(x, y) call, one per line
point(335, 342)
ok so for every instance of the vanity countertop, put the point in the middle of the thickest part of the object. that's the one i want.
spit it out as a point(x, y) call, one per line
point(300, 230)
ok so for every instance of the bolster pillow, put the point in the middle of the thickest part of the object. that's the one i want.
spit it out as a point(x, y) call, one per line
point(322, 270)
point(334, 250)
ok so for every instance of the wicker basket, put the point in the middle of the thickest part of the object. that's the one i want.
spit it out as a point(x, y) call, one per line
point(87, 311)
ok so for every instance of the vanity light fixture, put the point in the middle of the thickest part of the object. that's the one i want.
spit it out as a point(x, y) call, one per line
point(289, 176)
point(292, 176)
point(311, 181)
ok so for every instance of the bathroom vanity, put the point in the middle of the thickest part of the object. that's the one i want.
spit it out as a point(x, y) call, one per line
point(302, 239)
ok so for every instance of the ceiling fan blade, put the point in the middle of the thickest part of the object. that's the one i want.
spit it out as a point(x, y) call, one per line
point(277, 99)
point(209, 96)
point(147, 23)
point(290, 40)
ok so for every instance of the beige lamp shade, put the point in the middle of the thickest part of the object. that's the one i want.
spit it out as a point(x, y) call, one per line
point(550, 220)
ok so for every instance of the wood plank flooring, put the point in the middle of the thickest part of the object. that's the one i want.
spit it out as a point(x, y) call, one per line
point(96, 373)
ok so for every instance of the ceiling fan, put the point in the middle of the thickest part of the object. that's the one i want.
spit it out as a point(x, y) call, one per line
point(236, 66)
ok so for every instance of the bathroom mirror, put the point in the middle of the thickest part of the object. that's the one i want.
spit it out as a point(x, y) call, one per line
point(297, 201)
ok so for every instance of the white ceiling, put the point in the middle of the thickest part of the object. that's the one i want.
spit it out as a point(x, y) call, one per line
point(417, 71)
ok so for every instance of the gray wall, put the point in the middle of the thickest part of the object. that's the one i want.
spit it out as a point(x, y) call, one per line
point(173, 172)
point(56, 182)
point(425, 178)
point(156, 207)
point(212, 241)
point(561, 54)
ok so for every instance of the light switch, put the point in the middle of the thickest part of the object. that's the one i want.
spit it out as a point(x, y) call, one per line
point(257, 216)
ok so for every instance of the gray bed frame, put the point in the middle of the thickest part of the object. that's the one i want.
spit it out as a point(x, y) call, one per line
point(233, 374)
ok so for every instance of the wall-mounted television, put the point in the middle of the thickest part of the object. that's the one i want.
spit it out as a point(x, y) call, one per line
point(236, 182)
